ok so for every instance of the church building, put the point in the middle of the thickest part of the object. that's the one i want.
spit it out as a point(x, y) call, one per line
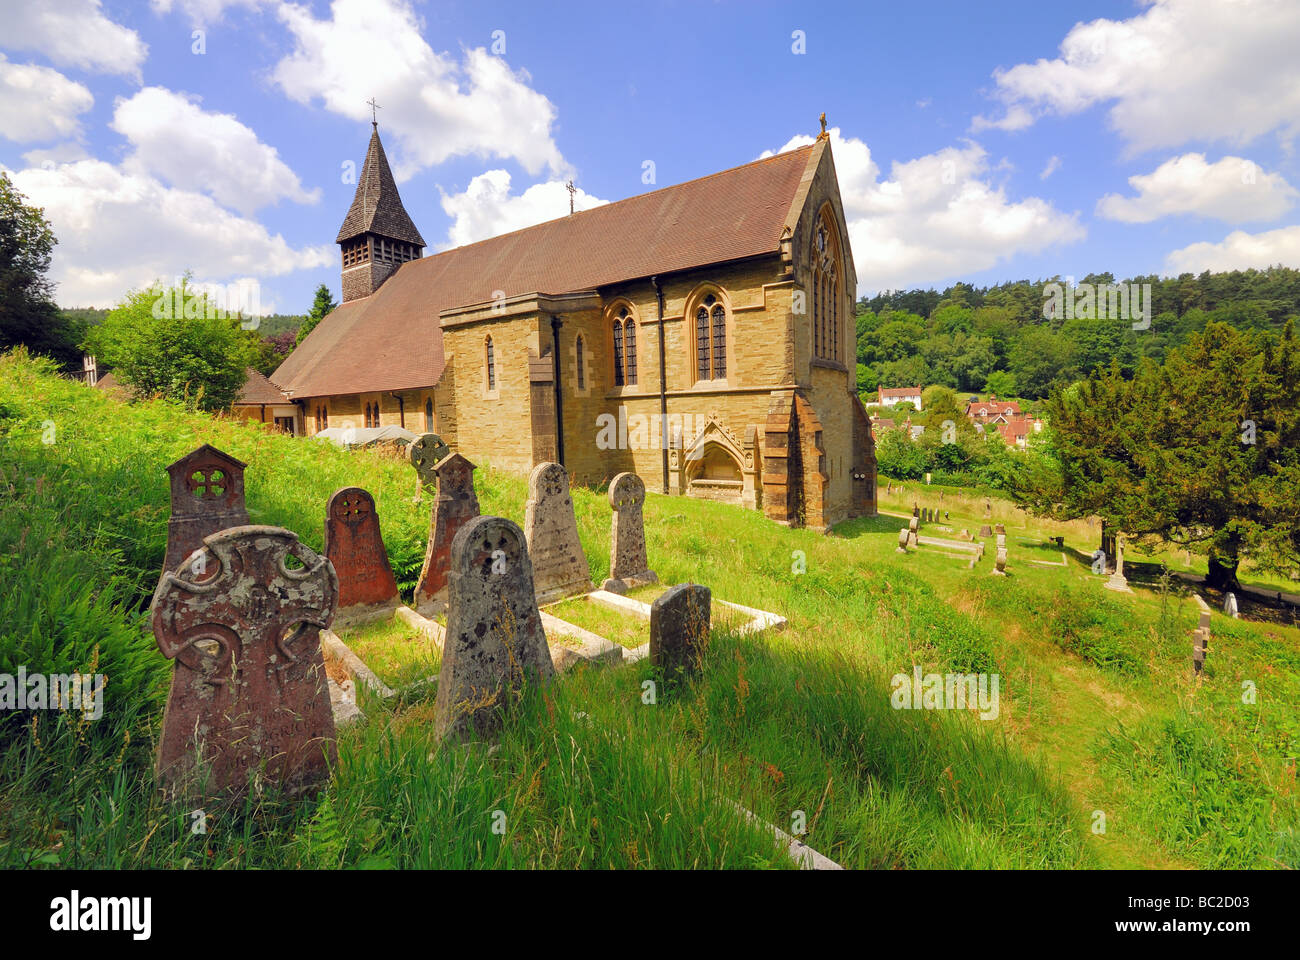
point(700, 335)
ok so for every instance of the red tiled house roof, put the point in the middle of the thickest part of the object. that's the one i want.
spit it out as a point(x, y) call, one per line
point(391, 340)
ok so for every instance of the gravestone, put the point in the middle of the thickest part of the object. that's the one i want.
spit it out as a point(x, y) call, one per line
point(207, 492)
point(559, 565)
point(986, 530)
point(354, 545)
point(628, 565)
point(455, 505)
point(1000, 529)
point(249, 696)
point(1230, 605)
point(425, 452)
point(1200, 643)
point(1000, 562)
point(904, 537)
point(495, 642)
point(1118, 581)
point(913, 528)
point(988, 510)
point(964, 534)
point(1001, 542)
point(679, 628)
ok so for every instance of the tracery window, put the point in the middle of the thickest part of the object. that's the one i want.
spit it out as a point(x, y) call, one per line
point(825, 292)
point(623, 332)
point(710, 339)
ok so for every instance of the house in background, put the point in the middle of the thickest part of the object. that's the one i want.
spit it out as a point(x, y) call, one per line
point(890, 396)
point(259, 400)
point(1005, 416)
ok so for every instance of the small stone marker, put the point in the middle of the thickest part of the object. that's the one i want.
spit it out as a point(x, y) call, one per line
point(207, 492)
point(988, 510)
point(628, 565)
point(354, 545)
point(1000, 529)
point(1001, 541)
point(964, 534)
point(495, 640)
point(986, 530)
point(455, 505)
point(1230, 605)
point(1200, 643)
point(904, 537)
point(679, 628)
point(425, 452)
point(559, 565)
point(913, 528)
point(249, 694)
point(1000, 562)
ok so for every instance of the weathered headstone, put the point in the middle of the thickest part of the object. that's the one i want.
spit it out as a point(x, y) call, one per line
point(964, 534)
point(679, 628)
point(495, 641)
point(1000, 529)
point(1200, 644)
point(425, 452)
point(904, 537)
point(988, 510)
point(455, 505)
point(207, 492)
point(628, 565)
point(559, 565)
point(1230, 605)
point(249, 695)
point(1118, 581)
point(1000, 562)
point(986, 530)
point(354, 545)
point(913, 531)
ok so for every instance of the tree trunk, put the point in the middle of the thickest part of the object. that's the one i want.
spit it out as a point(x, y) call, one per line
point(1223, 562)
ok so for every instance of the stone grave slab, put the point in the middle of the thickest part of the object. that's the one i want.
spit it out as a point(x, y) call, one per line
point(207, 495)
point(680, 620)
point(559, 566)
point(354, 545)
point(455, 506)
point(628, 565)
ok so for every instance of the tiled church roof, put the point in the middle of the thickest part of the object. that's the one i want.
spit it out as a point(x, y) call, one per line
point(391, 339)
point(376, 207)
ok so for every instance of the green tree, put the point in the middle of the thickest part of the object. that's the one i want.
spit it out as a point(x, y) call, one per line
point(320, 309)
point(898, 457)
point(1001, 383)
point(176, 343)
point(28, 314)
point(1040, 359)
point(1202, 450)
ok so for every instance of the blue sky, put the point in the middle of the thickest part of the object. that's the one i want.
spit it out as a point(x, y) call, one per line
point(973, 142)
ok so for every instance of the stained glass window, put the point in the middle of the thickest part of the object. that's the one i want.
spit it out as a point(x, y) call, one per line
point(702, 344)
point(719, 342)
point(629, 349)
point(618, 353)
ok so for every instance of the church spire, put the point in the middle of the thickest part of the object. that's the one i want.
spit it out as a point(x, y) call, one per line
point(377, 234)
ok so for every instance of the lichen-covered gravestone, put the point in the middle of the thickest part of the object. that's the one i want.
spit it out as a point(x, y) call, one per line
point(904, 538)
point(354, 545)
point(207, 492)
point(679, 628)
point(495, 642)
point(249, 698)
point(454, 507)
point(1000, 562)
point(628, 565)
point(425, 452)
point(559, 565)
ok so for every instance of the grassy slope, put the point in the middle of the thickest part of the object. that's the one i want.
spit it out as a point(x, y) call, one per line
point(1098, 711)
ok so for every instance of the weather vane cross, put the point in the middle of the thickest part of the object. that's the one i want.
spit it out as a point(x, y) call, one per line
point(374, 116)
point(572, 190)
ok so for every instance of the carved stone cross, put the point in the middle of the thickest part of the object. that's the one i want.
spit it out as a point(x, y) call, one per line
point(249, 698)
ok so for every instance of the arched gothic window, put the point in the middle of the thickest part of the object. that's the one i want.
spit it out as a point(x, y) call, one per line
point(581, 364)
point(825, 292)
point(623, 331)
point(491, 365)
point(428, 415)
point(710, 339)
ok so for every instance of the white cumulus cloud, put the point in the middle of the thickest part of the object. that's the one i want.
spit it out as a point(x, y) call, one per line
point(121, 230)
point(487, 208)
point(1179, 71)
point(39, 103)
point(436, 105)
point(73, 33)
point(935, 218)
point(1239, 250)
point(1232, 189)
point(191, 148)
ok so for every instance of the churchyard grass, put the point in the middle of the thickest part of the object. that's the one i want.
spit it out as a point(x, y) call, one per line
point(1098, 707)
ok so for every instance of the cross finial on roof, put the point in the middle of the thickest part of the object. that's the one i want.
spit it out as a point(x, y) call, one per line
point(572, 190)
point(374, 117)
point(823, 135)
